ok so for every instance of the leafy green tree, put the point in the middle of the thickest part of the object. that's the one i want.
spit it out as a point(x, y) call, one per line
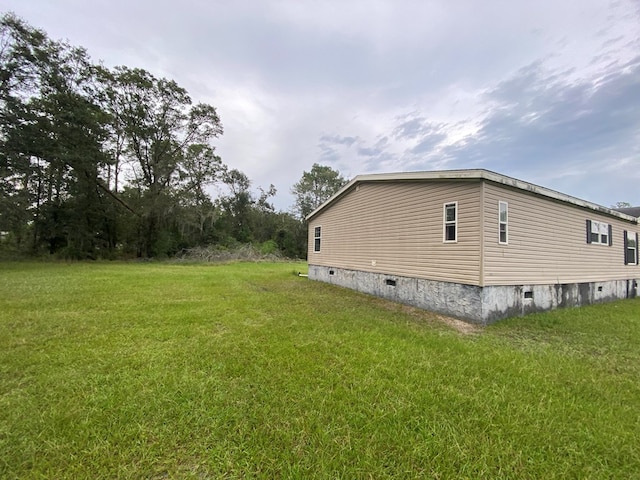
point(21, 53)
point(200, 168)
point(237, 206)
point(165, 140)
point(97, 162)
point(246, 217)
point(51, 134)
point(315, 187)
point(290, 235)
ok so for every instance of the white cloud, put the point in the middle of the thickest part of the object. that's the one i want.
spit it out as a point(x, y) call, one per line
point(382, 85)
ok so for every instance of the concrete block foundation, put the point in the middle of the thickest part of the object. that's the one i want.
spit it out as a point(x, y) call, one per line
point(481, 305)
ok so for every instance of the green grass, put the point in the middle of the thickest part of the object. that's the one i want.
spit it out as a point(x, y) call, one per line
point(249, 371)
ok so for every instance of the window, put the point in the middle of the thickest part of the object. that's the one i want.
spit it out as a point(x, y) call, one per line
point(317, 234)
point(450, 222)
point(630, 248)
point(599, 233)
point(503, 218)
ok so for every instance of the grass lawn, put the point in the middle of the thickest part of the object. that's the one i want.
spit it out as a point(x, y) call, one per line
point(249, 371)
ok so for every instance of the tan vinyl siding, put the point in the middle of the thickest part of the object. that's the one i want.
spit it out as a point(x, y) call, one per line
point(397, 228)
point(547, 242)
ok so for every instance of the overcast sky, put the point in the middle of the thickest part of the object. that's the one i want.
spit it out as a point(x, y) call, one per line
point(547, 91)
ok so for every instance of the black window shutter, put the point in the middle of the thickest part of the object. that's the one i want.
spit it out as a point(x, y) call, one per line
point(588, 231)
point(610, 235)
point(626, 245)
point(637, 262)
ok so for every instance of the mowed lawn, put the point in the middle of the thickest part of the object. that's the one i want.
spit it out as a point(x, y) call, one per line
point(248, 371)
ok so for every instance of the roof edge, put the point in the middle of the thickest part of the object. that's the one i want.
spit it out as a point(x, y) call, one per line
point(473, 174)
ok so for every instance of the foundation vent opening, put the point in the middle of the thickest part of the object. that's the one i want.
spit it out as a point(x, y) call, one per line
point(528, 294)
point(390, 282)
point(332, 272)
point(600, 288)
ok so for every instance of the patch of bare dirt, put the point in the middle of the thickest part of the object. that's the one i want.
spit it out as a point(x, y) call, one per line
point(459, 325)
point(425, 316)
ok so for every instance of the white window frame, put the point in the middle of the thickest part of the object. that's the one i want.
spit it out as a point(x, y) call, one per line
point(634, 248)
point(446, 223)
point(599, 229)
point(505, 223)
point(317, 239)
point(631, 237)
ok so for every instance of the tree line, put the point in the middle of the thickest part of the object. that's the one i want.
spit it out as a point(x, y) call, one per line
point(112, 163)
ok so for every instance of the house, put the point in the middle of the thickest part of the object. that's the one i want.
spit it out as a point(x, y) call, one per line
point(472, 244)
